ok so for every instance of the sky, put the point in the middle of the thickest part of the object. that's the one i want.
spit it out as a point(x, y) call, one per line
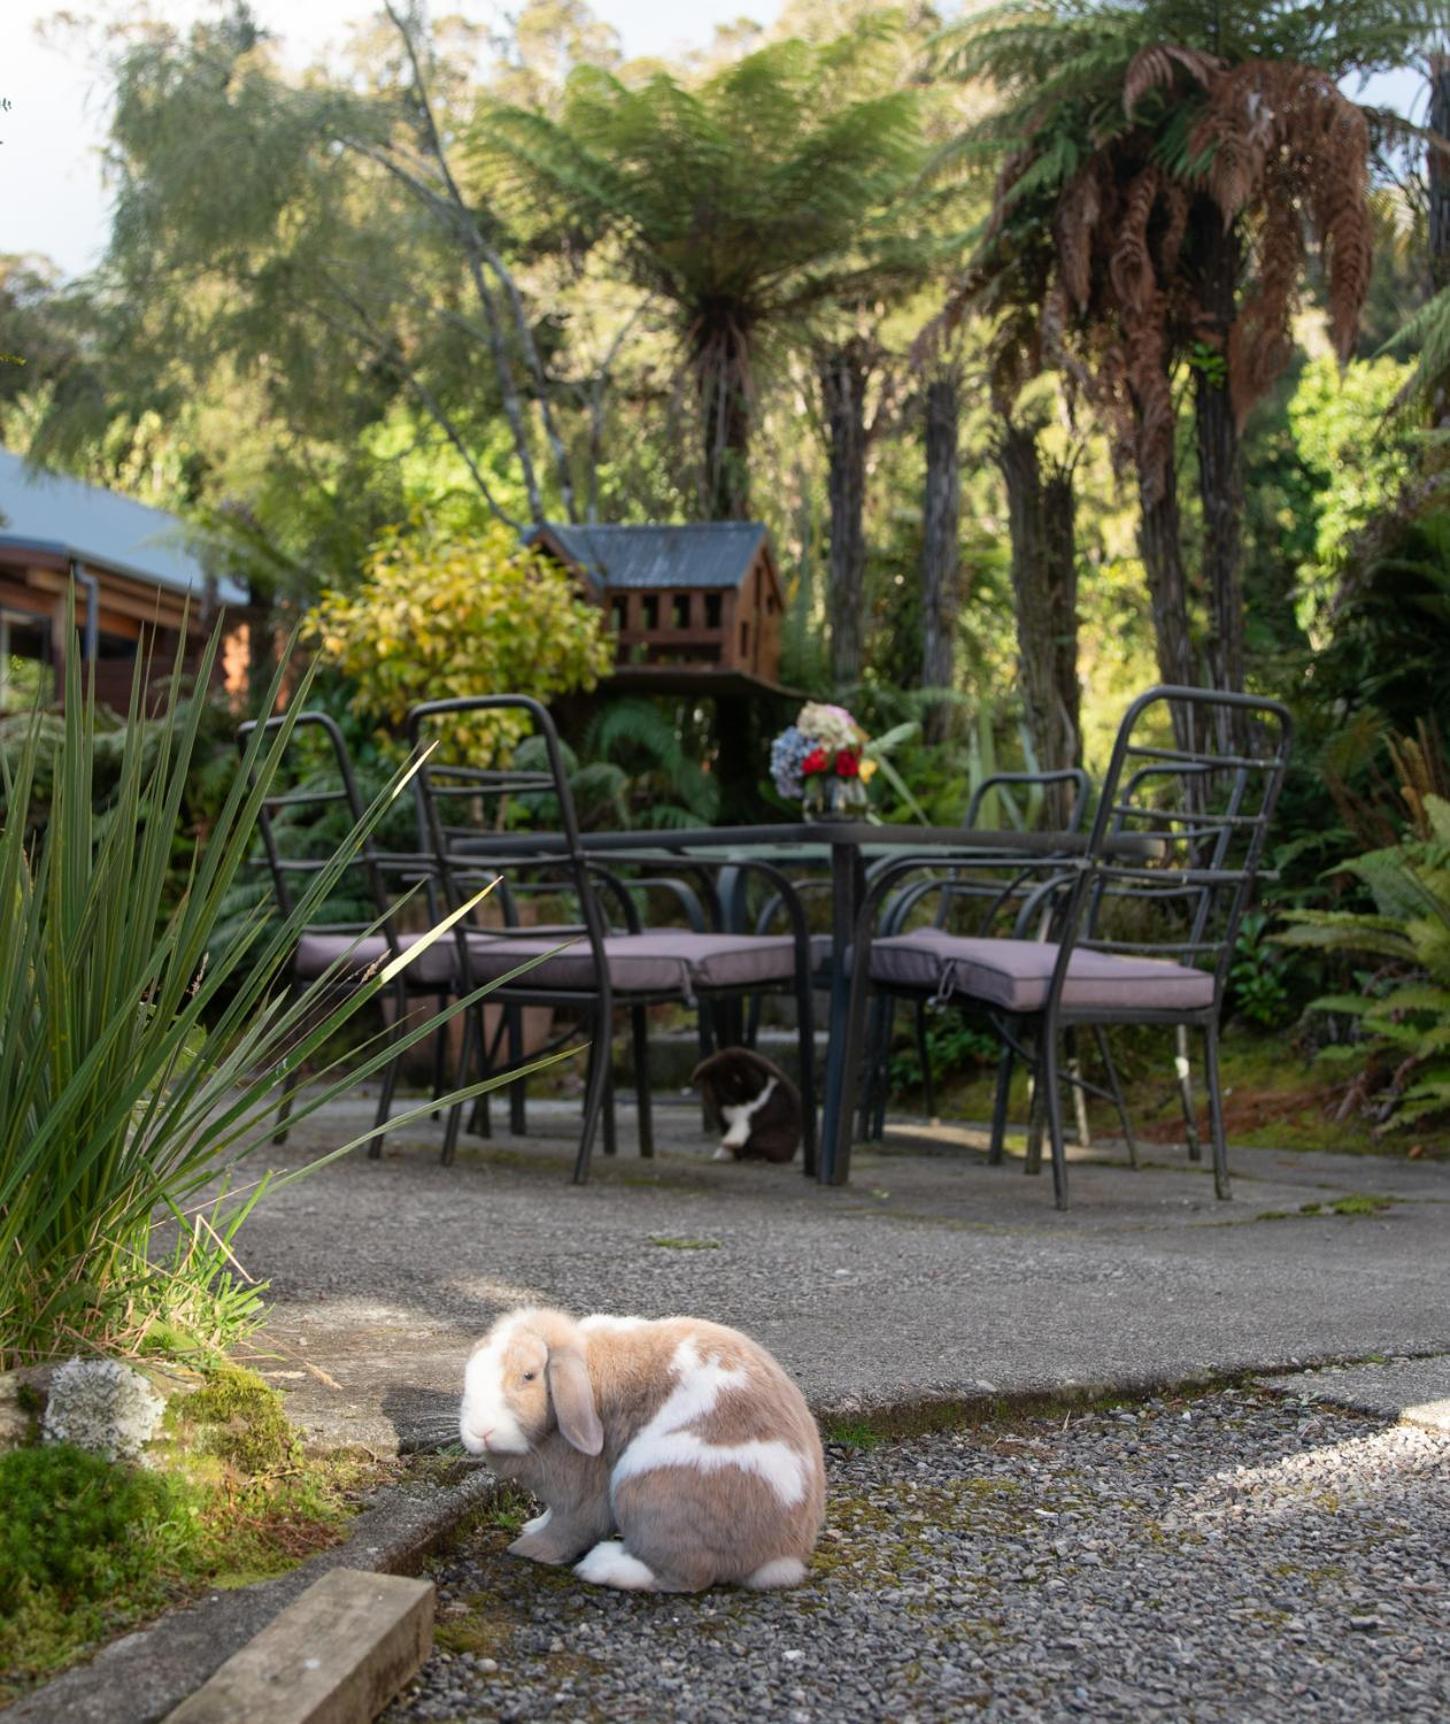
point(52, 200)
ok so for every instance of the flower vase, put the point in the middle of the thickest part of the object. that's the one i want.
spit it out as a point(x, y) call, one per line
point(830, 798)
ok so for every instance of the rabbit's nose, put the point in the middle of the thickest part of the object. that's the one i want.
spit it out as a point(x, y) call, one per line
point(483, 1436)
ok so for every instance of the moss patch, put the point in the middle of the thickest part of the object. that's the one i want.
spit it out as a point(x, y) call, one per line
point(1361, 1203)
point(239, 1420)
point(89, 1549)
point(866, 1429)
point(853, 1434)
point(665, 1243)
point(1356, 1203)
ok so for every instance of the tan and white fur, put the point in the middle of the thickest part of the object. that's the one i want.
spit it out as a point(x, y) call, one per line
point(684, 1438)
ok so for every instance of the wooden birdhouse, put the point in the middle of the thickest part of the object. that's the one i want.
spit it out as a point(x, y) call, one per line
point(691, 608)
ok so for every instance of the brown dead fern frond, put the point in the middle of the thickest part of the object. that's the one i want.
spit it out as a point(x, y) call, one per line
point(1079, 211)
point(1148, 375)
point(1130, 265)
point(1333, 144)
point(1261, 341)
point(1175, 203)
point(1157, 68)
point(1236, 134)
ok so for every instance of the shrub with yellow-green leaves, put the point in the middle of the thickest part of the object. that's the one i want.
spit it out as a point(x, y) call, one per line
point(436, 616)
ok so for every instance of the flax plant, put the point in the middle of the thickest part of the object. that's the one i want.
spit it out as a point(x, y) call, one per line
point(139, 1058)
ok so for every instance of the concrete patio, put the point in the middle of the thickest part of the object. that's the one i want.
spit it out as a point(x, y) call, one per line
point(931, 1276)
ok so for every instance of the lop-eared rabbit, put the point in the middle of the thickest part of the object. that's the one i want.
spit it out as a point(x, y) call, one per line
point(683, 1437)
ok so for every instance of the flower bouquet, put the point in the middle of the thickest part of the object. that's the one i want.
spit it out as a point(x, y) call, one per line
point(821, 761)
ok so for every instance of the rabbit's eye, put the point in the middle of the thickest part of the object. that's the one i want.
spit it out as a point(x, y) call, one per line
point(529, 1376)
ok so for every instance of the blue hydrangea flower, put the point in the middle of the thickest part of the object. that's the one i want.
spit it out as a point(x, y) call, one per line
point(786, 754)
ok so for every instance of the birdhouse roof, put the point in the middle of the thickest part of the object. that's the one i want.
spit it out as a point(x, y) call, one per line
point(717, 554)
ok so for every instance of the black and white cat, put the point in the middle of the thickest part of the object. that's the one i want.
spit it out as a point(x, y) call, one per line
point(758, 1105)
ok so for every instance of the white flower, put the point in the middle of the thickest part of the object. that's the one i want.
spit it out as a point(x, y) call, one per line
point(103, 1406)
point(831, 726)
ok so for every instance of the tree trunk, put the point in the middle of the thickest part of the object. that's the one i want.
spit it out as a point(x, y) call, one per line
point(1041, 516)
point(844, 374)
point(941, 551)
point(1220, 479)
point(722, 369)
point(1438, 170)
point(1160, 540)
point(1059, 511)
point(261, 648)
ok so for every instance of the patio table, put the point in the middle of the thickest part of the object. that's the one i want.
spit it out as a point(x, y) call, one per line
point(849, 845)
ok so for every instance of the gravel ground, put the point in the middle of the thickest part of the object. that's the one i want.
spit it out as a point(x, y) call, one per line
point(1234, 1556)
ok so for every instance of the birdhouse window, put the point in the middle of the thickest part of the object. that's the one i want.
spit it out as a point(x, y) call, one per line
point(651, 611)
point(682, 610)
point(619, 613)
point(745, 640)
point(712, 610)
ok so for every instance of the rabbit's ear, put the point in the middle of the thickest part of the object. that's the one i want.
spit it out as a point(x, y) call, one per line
point(707, 1065)
point(573, 1397)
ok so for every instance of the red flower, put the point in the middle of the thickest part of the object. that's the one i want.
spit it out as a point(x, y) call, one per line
point(848, 764)
point(816, 761)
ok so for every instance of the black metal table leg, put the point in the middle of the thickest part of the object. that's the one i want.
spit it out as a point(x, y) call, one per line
point(848, 880)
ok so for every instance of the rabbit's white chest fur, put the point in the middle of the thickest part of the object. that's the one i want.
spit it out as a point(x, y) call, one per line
point(737, 1121)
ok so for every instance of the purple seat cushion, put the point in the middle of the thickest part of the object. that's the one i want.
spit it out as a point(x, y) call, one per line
point(1015, 974)
point(318, 951)
point(659, 961)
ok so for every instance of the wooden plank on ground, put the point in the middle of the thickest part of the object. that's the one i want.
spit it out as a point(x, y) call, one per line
point(336, 1655)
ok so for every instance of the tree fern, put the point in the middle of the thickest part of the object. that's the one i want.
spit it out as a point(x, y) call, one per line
point(748, 202)
point(1404, 1009)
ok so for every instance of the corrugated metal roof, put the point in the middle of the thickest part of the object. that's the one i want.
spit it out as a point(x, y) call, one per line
point(53, 512)
point(705, 554)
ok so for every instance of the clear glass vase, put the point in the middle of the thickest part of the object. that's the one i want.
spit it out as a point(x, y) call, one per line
point(827, 797)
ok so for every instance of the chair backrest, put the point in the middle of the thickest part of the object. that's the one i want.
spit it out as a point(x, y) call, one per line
point(1058, 799)
point(972, 897)
point(466, 813)
point(1205, 809)
point(315, 778)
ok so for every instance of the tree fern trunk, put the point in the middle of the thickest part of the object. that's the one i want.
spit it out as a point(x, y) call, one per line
point(1059, 508)
point(1041, 514)
point(1438, 170)
point(844, 373)
point(1220, 479)
point(1160, 540)
point(941, 552)
point(722, 369)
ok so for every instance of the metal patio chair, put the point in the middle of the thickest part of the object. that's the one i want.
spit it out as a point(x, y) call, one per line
point(1057, 799)
point(1125, 941)
point(582, 962)
point(380, 888)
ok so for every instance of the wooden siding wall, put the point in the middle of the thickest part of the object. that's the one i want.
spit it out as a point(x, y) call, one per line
point(129, 610)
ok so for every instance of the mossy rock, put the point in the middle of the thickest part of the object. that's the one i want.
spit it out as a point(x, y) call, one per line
point(236, 1419)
